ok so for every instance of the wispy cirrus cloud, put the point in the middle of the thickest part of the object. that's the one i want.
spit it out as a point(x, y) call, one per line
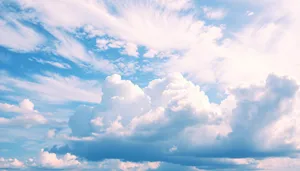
point(55, 88)
point(15, 35)
point(53, 63)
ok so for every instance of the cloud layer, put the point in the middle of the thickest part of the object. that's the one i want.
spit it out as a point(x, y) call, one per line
point(172, 120)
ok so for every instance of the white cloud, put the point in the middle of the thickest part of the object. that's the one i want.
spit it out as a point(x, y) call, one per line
point(228, 61)
point(102, 44)
point(119, 98)
point(150, 53)
point(56, 88)
point(11, 163)
point(51, 133)
point(74, 51)
point(141, 29)
point(51, 160)
point(176, 4)
point(98, 121)
point(250, 13)
point(130, 109)
point(267, 43)
point(16, 36)
point(127, 68)
point(129, 49)
point(283, 163)
point(176, 113)
point(27, 115)
point(131, 166)
point(115, 164)
point(53, 63)
point(214, 14)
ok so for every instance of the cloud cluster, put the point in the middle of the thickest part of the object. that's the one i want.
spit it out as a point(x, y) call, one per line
point(45, 160)
point(172, 120)
point(129, 49)
point(115, 164)
point(51, 160)
point(10, 163)
point(26, 115)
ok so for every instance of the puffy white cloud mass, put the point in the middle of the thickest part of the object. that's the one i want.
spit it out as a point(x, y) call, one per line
point(10, 163)
point(172, 120)
point(115, 164)
point(20, 115)
point(51, 160)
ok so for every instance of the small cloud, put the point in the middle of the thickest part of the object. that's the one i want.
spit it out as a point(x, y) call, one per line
point(11, 163)
point(51, 133)
point(174, 148)
point(249, 13)
point(26, 117)
point(150, 53)
point(128, 48)
point(214, 14)
point(51, 160)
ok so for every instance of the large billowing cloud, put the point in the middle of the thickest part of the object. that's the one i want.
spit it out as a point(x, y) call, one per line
point(173, 121)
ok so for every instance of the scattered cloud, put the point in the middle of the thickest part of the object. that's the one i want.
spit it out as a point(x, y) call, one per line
point(214, 14)
point(74, 51)
point(51, 160)
point(19, 37)
point(129, 49)
point(26, 117)
point(51, 133)
point(53, 63)
point(250, 13)
point(11, 163)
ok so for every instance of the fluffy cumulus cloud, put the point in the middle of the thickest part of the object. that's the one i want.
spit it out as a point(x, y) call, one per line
point(173, 121)
point(25, 115)
point(51, 160)
point(11, 163)
point(115, 164)
point(45, 160)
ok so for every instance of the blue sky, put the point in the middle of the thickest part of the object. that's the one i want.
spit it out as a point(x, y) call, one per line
point(149, 85)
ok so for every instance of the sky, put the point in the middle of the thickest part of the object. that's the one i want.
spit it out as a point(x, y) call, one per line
point(150, 85)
